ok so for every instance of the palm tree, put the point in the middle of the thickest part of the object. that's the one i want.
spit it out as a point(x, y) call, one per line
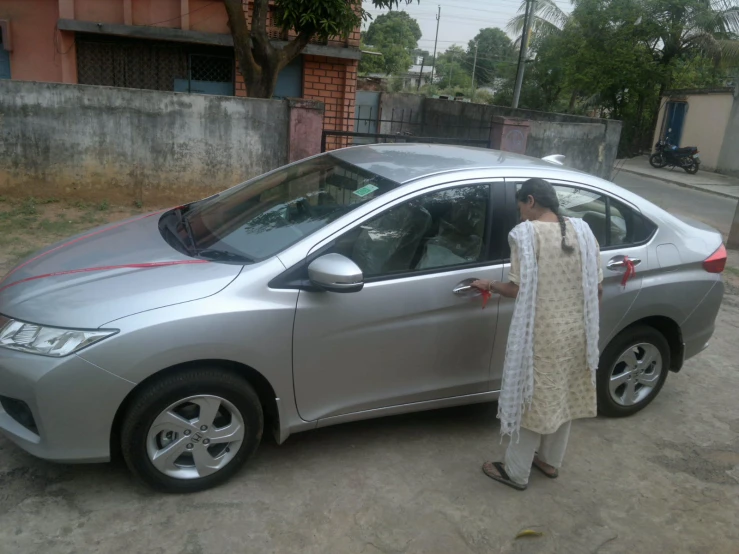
point(548, 18)
point(675, 28)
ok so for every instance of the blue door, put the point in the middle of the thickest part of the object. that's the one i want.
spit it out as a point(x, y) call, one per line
point(290, 80)
point(674, 120)
point(4, 60)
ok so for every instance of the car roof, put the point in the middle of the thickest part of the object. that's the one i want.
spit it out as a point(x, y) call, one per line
point(410, 161)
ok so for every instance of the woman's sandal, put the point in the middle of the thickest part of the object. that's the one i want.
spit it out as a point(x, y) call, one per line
point(502, 476)
point(536, 463)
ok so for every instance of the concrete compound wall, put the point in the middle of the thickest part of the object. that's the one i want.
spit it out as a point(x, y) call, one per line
point(588, 144)
point(136, 145)
point(728, 161)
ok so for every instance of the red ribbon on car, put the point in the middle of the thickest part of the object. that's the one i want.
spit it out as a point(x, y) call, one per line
point(73, 241)
point(146, 265)
point(486, 294)
point(630, 271)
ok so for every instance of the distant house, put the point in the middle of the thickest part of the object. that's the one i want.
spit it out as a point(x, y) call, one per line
point(706, 118)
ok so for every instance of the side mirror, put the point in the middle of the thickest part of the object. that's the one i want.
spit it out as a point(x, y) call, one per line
point(336, 273)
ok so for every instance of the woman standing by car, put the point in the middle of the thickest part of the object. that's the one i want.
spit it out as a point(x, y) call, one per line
point(552, 350)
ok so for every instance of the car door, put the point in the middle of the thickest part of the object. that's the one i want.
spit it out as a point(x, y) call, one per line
point(621, 232)
point(406, 336)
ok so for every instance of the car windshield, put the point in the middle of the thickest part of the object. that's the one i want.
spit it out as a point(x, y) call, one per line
point(257, 219)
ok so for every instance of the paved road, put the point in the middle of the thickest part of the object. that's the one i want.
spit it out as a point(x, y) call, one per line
point(709, 208)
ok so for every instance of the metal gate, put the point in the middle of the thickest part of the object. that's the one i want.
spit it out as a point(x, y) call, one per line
point(402, 126)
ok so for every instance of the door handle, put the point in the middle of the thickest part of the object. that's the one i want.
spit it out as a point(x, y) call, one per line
point(465, 288)
point(618, 263)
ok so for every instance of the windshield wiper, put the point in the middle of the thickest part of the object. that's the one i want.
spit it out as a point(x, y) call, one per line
point(224, 256)
point(188, 229)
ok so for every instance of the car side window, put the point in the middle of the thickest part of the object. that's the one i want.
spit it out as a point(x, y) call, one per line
point(441, 229)
point(586, 205)
point(627, 225)
point(612, 222)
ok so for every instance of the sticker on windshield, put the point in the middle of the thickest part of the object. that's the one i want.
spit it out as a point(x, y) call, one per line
point(365, 190)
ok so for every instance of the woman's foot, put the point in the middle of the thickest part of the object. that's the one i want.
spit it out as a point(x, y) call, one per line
point(550, 471)
point(497, 472)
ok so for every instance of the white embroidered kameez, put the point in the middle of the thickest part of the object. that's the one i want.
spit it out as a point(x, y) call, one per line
point(563, 376)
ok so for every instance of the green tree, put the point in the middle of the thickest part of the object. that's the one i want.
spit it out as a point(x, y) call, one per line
point(260, 61)
point(614, 58)
point(395, 35)
point(494, 50)
point(452, 69)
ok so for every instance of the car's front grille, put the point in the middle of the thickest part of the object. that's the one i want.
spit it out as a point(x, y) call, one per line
point(19, 411)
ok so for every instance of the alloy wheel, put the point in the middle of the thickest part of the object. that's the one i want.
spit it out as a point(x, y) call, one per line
point(195, 437)
point(635, 374)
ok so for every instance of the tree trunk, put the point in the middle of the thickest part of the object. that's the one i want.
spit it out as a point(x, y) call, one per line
point(573, 98)
point(259, 61)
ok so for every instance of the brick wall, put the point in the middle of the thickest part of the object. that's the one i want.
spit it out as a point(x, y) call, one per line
point(332, 81)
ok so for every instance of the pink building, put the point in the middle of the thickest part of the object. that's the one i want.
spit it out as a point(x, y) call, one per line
point(174, 45)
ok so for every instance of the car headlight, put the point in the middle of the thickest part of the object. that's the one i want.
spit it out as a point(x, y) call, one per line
point(47, 341)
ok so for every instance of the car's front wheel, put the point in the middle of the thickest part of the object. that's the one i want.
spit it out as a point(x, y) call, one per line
point(191, 430)
point(632, 370)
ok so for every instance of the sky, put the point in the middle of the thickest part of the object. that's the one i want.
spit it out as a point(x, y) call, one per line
point(461, 20)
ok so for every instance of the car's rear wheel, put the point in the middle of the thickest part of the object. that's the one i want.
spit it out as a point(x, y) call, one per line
point(632, 371)
point(191, 430)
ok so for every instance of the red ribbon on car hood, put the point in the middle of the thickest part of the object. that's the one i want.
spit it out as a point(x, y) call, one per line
point(146, 265)
point(630, 271)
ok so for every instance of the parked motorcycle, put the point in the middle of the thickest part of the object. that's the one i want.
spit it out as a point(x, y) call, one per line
point(669, 154)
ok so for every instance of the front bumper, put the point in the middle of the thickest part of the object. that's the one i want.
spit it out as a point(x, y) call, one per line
point(72, 402)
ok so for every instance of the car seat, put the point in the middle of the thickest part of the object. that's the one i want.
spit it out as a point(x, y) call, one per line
point(388, 243)
point(459, 237)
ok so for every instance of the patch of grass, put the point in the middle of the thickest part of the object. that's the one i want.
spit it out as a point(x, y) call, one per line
point(732, 270)
point(58, 227)
point(18, 255)
point(103, 206)
point(29, 206)
point(138, 204)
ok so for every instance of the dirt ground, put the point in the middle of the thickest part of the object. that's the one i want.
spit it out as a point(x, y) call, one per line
point(665, 480)
point(29, 224)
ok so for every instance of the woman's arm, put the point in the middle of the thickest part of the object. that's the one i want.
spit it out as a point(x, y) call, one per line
point(509, 290)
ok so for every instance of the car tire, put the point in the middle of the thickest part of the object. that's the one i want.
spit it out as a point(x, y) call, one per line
point(175, 398)
point(657, 160)
point(619, 395)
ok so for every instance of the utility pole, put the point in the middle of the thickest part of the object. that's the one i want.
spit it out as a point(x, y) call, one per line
point(522, 52)
point(474, 66)
point(433, 64)
point(420, 75)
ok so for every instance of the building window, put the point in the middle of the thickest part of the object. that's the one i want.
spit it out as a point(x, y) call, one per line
point(4, 59)
point(154, 65)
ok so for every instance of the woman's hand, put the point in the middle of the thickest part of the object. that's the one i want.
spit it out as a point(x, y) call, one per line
point(482, 284)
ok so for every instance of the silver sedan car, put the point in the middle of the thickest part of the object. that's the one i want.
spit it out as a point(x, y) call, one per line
point(331, 290)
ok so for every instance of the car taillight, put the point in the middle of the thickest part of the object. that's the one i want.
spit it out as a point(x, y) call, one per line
point(716, 262)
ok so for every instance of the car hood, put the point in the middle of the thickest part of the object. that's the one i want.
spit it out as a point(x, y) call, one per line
point(108, 273)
